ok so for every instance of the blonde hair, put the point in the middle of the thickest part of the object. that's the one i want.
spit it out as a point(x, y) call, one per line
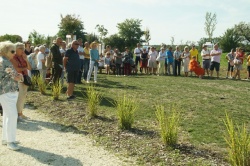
point(6, 47)
point(41, 48)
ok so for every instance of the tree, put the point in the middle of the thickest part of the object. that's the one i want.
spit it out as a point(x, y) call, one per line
point(38, 39)
point(147, 36)
point(90, 37)
point(115, 41)
point(229, 40)
point(243, 30)
point(130, 31)
point(102, 31)
point(210, 24)
point(71, 25)
point(12, 38)
point(172, 41)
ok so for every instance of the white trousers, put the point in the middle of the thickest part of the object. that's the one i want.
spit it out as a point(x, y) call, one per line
point(8, 102)
point(91, 66)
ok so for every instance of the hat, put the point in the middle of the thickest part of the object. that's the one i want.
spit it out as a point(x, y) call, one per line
point(185, 47)
point(204, 45)
point(93, 43)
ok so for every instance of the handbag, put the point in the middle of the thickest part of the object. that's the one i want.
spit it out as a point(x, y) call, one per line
point(27, 80)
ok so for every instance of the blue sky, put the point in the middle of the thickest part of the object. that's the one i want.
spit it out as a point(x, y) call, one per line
point(182, 19)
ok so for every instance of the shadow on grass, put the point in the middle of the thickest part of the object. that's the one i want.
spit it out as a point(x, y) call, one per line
point(113, 84)
point(106, 101)
point(143, 132)
point(104, 119)
point(48, 158)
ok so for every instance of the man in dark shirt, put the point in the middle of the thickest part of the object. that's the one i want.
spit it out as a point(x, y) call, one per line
point(71, 63)
point(56, 60)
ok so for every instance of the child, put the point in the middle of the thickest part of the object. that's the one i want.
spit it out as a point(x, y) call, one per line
point(107, 62)
point(230, 66)
point(94, 59)
point(101, 63)
point(248, 66)
point(195, 67)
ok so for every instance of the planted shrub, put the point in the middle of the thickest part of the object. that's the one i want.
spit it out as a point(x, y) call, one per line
point(34, 82)
point(168, 123)
point(94, 99)
point(238, 141)
point(56, 90)
point(41, 85)
point(125, 111)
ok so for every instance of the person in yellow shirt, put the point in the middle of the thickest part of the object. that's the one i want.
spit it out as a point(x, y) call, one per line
point(194, 52)
point(248, 66)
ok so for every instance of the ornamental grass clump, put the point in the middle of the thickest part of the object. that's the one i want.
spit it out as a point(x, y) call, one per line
point(94, 98)
point(126, 108)
point(34, 82)
point(238, 141)
point(56, 90)
point(169, 123)
point(41, 85)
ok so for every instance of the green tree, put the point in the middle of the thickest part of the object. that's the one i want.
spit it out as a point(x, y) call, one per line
point(38, 39)
point(147, 36)
point(102, 31)
point(90, 37)
point(210, 24)
point(12, 38)
point(71, 25)
point(115, 41)
point(130, 31)
point(243, 30)
point(229, 40)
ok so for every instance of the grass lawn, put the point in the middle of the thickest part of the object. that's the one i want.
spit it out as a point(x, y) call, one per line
point(202, 103)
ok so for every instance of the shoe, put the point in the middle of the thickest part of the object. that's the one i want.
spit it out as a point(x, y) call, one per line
point(4, 142)
point(71, 97)
point(20, 119)
point(13, 146)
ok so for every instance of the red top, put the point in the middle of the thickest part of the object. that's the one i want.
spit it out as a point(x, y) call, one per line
point(20, 65)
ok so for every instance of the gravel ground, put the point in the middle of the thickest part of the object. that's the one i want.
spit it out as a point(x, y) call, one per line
point(46, 143)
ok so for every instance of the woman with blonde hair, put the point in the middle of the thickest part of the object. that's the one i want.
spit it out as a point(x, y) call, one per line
point(186, 59)
point(22, 66)
point(8, 94)
point(94, 59)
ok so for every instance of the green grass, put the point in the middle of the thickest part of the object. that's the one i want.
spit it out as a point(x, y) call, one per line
point(202, 102)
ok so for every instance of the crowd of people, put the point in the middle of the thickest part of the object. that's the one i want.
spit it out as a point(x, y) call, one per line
point(77, 61)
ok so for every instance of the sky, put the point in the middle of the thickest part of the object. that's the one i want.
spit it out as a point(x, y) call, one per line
point(182, 19)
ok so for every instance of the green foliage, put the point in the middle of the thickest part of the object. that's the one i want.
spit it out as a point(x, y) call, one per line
point(34, 82)
point(147, 36)
point(126, 108)
point(56, 90)
point(169, 123)
point(229, 40)
point(102, 31)
point(94, 99)
point(38, 39)
point(243, 30)
point(12, 38)
point(210, 24)
point(71, 25)
point(90, 37)
point(115, 41)
point(130, 31)
point(41, 85)
point(238, 141)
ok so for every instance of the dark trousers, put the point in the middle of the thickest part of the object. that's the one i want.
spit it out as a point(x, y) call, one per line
point(127, 69)
point(137, 61)
point(86, 68)
point(118, 69)
point(57, 72)
point(80, 71)
point(35, 73)
point(177, 66)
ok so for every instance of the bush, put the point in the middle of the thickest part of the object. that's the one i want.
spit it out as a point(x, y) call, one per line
point(41, 85)
point(238, 141)
point(94, 99)
point(169, 124)
point(56, 90)
point(34, 82)
point(125, 111)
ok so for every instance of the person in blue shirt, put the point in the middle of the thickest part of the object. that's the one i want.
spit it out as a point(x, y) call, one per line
point(94, 59)
point(169, 61)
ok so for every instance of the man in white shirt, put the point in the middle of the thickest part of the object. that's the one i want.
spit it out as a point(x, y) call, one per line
point(152, 60)
point(215, 60)
point(205, 54)
point(137, 52)
point(81, 56)
point(177, 61)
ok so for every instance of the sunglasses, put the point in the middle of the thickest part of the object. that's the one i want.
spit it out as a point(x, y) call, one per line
point(12, 51)
point(76, 44)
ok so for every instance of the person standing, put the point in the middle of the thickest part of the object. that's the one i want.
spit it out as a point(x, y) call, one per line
point(28, 49)
point(194, 52)
point(170, 60)
point(57, 60)
point(80, 52)
point(86, 61)
point(215, 60)
point(177, 61)
point(71, 63)
point(144, 61)
point(94, 59)
point(32, 58)
point(186, 60)
point(118, 63)
point(9, 94)
point(205, 54)
point(248, 66)
point(63, 51)
point(137, 52)
point(152, 64)
point(161, 61)
point(230, 63)
point(128, 57)
point(41, 62)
